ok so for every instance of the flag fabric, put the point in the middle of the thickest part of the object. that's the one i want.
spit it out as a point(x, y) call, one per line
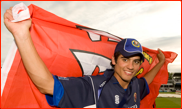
point(68, 50)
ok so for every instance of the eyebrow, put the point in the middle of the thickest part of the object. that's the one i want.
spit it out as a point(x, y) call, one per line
point(137, 59)
point(134, 59)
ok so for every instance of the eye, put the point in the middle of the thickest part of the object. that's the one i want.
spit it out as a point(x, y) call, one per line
point(125, 59)
point(137, 62)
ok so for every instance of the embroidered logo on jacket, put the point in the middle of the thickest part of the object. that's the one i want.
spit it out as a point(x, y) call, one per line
point(116, 99)
point(135, 96)
point(63, 78)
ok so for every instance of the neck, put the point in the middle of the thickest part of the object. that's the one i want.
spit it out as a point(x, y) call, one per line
point(122, 82)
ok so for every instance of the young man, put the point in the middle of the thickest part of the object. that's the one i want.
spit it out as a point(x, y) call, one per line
point(118, 87)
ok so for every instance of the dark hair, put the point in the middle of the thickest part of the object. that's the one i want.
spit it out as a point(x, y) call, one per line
point(117, 54)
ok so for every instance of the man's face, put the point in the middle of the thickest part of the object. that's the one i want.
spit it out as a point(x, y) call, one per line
point(126, 68)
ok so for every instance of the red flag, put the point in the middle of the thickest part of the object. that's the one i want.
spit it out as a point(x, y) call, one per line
point(69, 49)
point(161, 78)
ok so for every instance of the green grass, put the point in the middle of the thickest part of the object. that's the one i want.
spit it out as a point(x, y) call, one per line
point(167, 92)
point(168, 102)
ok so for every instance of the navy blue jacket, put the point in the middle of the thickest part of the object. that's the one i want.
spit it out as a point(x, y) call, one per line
point(102, 91)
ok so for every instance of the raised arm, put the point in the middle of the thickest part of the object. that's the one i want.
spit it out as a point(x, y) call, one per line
point(151, 74)
point(35, 67)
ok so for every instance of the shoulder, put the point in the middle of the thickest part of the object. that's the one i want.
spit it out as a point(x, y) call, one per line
point(134, 79)
point(142, 79)
point(107, 74)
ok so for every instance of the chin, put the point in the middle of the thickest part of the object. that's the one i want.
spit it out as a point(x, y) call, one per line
point(126, 79)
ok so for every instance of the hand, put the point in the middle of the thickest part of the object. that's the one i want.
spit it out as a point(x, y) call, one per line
point(161, 56)
point(18, 29)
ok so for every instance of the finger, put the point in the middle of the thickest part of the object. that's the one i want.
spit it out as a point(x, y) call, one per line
point(8, 16)
point(160, 51)
point(11, 9)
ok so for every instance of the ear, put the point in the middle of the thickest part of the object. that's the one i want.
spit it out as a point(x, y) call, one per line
point(113, 60)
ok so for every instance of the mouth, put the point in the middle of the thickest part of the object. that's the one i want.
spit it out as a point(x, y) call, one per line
point(128, 73)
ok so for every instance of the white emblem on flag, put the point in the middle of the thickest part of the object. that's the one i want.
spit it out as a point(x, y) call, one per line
point(89, 61)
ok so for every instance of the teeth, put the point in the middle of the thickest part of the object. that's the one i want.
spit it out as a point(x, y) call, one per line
point(128, 72)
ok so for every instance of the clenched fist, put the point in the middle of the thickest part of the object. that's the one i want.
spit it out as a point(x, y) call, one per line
point(18, 29)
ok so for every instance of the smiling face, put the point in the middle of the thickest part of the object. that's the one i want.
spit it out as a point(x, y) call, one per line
point(126, 68)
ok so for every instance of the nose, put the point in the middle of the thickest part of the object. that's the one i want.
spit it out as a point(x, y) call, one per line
point(130, 65)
